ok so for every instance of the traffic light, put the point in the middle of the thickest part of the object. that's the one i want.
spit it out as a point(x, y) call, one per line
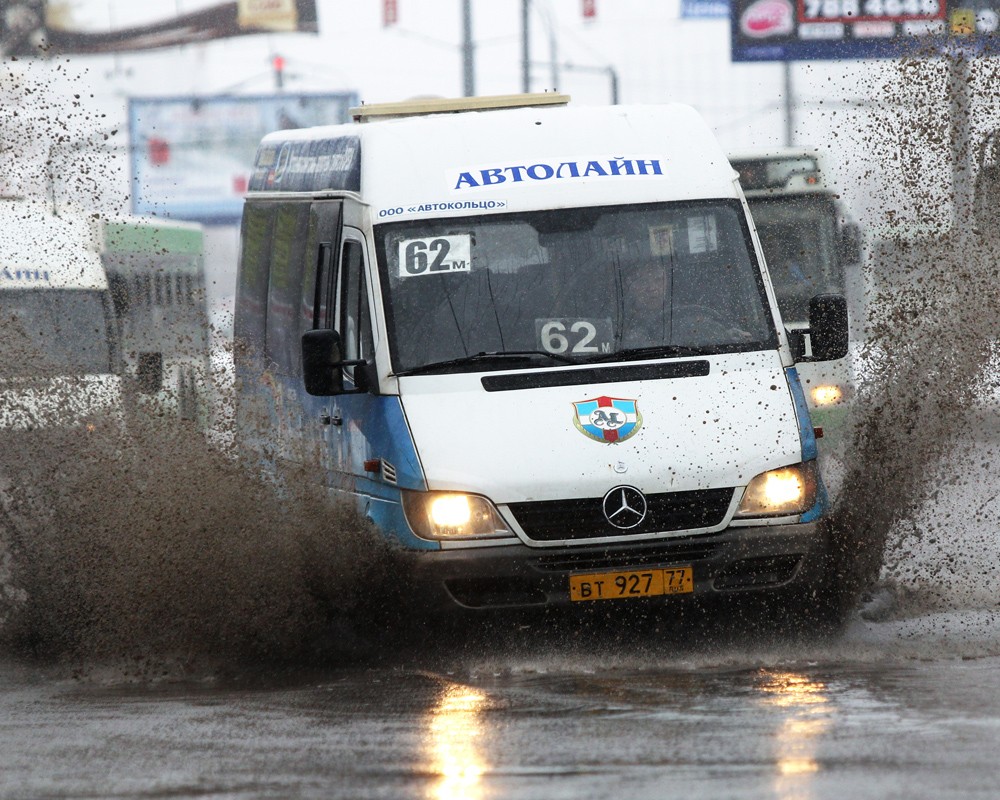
point(278, 65)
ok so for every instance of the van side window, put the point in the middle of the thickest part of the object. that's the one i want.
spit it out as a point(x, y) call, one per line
point(355, 329)
point(248, 325)
point(284, 288)
point(323, 318)
point(319, 280)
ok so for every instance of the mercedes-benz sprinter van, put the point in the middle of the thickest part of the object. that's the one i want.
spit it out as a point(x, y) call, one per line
point(538, 346)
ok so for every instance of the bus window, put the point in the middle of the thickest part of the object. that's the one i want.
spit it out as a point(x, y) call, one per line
point(321, 317)
point(253, 276)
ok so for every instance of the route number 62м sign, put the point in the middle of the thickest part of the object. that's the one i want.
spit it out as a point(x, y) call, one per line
point(435, 255)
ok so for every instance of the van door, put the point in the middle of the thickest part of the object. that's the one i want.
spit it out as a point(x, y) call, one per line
point(353, 413)
point(319, 298)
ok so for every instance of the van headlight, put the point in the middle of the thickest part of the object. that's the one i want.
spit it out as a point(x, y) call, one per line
point(781, 492)
point(828, 395)
point(452, 515)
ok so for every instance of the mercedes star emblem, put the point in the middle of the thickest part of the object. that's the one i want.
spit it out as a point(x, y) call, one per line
point(624, 507)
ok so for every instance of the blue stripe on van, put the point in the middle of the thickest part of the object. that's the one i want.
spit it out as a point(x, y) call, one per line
point(379, 420)
point(388, 435)
point(806, 433)
point(384, 508)
point(821, 507)
point(807, 436)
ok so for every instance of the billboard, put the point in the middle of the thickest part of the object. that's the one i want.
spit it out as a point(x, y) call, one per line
point(803, 30)
point(41, 28)
point(191, 157)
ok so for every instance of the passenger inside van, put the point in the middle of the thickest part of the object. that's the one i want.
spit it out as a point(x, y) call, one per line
point(688, 313)
point(482, 310)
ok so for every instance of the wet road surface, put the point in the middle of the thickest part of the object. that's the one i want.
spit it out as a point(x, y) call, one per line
point(883, 726)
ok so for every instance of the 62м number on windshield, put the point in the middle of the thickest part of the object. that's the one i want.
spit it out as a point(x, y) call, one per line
point(434, 255)
point(582, 336)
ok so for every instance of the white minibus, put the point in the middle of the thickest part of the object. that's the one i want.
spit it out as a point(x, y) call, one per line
point(538, 347)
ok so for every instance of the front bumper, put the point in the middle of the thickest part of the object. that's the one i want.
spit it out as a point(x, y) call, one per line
point(512, 576)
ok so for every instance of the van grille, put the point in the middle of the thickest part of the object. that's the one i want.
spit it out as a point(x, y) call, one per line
point(558, 520)
point(632, 556)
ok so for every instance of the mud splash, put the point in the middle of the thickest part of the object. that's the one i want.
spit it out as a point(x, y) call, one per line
point(160, 550)
point(929, 364)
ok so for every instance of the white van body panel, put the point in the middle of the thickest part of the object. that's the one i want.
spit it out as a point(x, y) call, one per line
point(416, 163)
point(692, 435)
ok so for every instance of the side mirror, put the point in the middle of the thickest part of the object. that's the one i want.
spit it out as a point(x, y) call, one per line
point(321, 363)
point(149, 373)
point(828, 327)
point(849, 244)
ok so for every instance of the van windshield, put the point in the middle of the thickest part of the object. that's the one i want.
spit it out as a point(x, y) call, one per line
point(572, 285)
point(53, 332)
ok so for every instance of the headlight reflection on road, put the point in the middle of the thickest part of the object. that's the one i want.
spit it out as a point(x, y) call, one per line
point(808, 715)
point(453, 746)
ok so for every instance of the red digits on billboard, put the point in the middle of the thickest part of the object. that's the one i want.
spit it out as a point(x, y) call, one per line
point(389, 13)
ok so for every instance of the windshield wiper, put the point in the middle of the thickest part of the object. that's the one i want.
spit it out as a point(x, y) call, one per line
point(656, 351)
point(496, 355)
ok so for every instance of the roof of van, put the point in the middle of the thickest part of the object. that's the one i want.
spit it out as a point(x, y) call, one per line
point(503, 160)
point(39, 249)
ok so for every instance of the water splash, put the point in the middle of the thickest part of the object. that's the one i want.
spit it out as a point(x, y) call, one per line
point(160, 547)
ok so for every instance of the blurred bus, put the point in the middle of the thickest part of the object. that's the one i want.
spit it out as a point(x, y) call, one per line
point(60, 363)
point(157, 277)
point(811, 247)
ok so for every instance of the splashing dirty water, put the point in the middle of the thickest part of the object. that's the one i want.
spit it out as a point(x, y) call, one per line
point(926, 425)
point(159, 546)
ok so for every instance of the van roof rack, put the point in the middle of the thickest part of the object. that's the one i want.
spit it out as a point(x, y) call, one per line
point(442, 105)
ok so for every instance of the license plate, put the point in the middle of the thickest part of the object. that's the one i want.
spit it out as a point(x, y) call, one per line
point(634, 583)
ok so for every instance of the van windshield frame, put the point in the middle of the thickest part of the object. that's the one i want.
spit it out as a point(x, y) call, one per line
point(590, 284)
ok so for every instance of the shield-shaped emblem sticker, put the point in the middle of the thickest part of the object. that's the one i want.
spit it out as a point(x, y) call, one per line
point(607, 419)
